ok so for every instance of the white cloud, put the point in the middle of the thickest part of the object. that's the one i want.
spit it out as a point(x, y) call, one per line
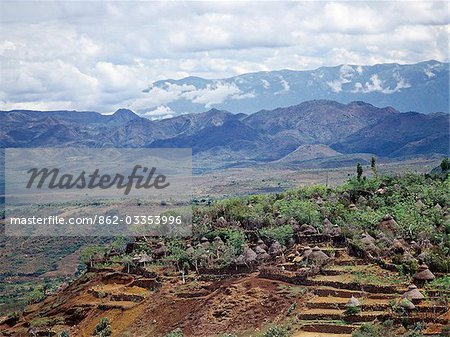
point(161, 112)
point(213, 94)
point(346, 74)
point(377, 85)
point(100, 56)
point(265, 84)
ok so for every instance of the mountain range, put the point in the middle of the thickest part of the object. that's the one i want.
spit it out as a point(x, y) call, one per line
point(421, 87)
point(318, 132)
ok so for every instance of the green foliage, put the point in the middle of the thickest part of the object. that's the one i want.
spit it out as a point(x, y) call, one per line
point(228, 335)
point(282, 234)
point(359, 171)
point(304, 211)
point(445, 164)
point(276, 331)
point(175, 333)
point(440, 283)
point(103, 328)
point(89, 252)
point(352, 310)
point(234, 238)
point(291, 308)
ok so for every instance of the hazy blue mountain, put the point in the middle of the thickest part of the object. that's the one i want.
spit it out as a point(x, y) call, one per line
point(320, 132)
point(413, 87)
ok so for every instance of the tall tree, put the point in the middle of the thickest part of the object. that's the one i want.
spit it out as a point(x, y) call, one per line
point(359, 171)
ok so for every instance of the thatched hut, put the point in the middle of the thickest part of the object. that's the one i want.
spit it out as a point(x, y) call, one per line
point(384, 240)
point(189, 249)
point(259, 250)
point(327, 226)
point(221, 222)
point(336, 230)
point(367, 239)
point(407, 304)
point(423, 275)
point(306, 229)
point(275, 249)
point(262, 245)
point(249, 256)
point(413, 293)
point(317, 256)
point(419, 204)
point(388, 224)
point(306, 252)
point(353, 302)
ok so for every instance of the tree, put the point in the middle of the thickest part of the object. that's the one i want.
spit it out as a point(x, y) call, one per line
point(359, 171)
point(127, 260)
point(88, 254)
point(103, 328)
point(445, 165)
point(374, 167)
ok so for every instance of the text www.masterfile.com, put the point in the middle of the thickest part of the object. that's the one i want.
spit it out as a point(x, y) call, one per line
point(98, 219)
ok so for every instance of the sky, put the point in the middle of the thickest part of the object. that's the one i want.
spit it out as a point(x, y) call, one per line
point(101, 55)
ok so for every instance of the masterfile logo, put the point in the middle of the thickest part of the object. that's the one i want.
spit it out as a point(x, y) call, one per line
point(111, 191)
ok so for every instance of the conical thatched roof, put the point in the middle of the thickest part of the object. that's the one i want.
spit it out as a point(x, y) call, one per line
point(292, 222)
point(424, 274)
point(413, 293)
point(307, 229)
point(317, 255)
point(327, 226)
point(407, 304)
point(263, 257)
point(367, 239)
point(306, 251)
point(276, 248)
point(259, 250)
point(353, 302)
point(204, 239)
point(249, 256)
point(419, 204)
point(373, 249)
point(261, 244)
point(437, 206)
point(336, 230)
point(388, 224)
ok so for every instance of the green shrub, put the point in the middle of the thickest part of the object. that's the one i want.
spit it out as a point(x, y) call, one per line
point(175, 333)
point(103, 328)
point(352, 310)
point(276, 331)
point(282, 234)
point(304, 211)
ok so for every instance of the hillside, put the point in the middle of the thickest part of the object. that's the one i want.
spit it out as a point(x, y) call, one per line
point(287, 262)
point(239, 139)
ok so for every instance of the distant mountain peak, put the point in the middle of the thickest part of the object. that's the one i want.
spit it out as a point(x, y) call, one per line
point(125, 115)
point(421, 87)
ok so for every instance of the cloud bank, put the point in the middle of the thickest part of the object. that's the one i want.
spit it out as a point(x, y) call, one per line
point(69, 55)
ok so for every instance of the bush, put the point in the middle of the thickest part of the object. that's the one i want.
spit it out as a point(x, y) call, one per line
point(352, 310)
point(304, 211)
point(276, 331)
point(282, 234)
point(175, 333)
point(103, 328)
